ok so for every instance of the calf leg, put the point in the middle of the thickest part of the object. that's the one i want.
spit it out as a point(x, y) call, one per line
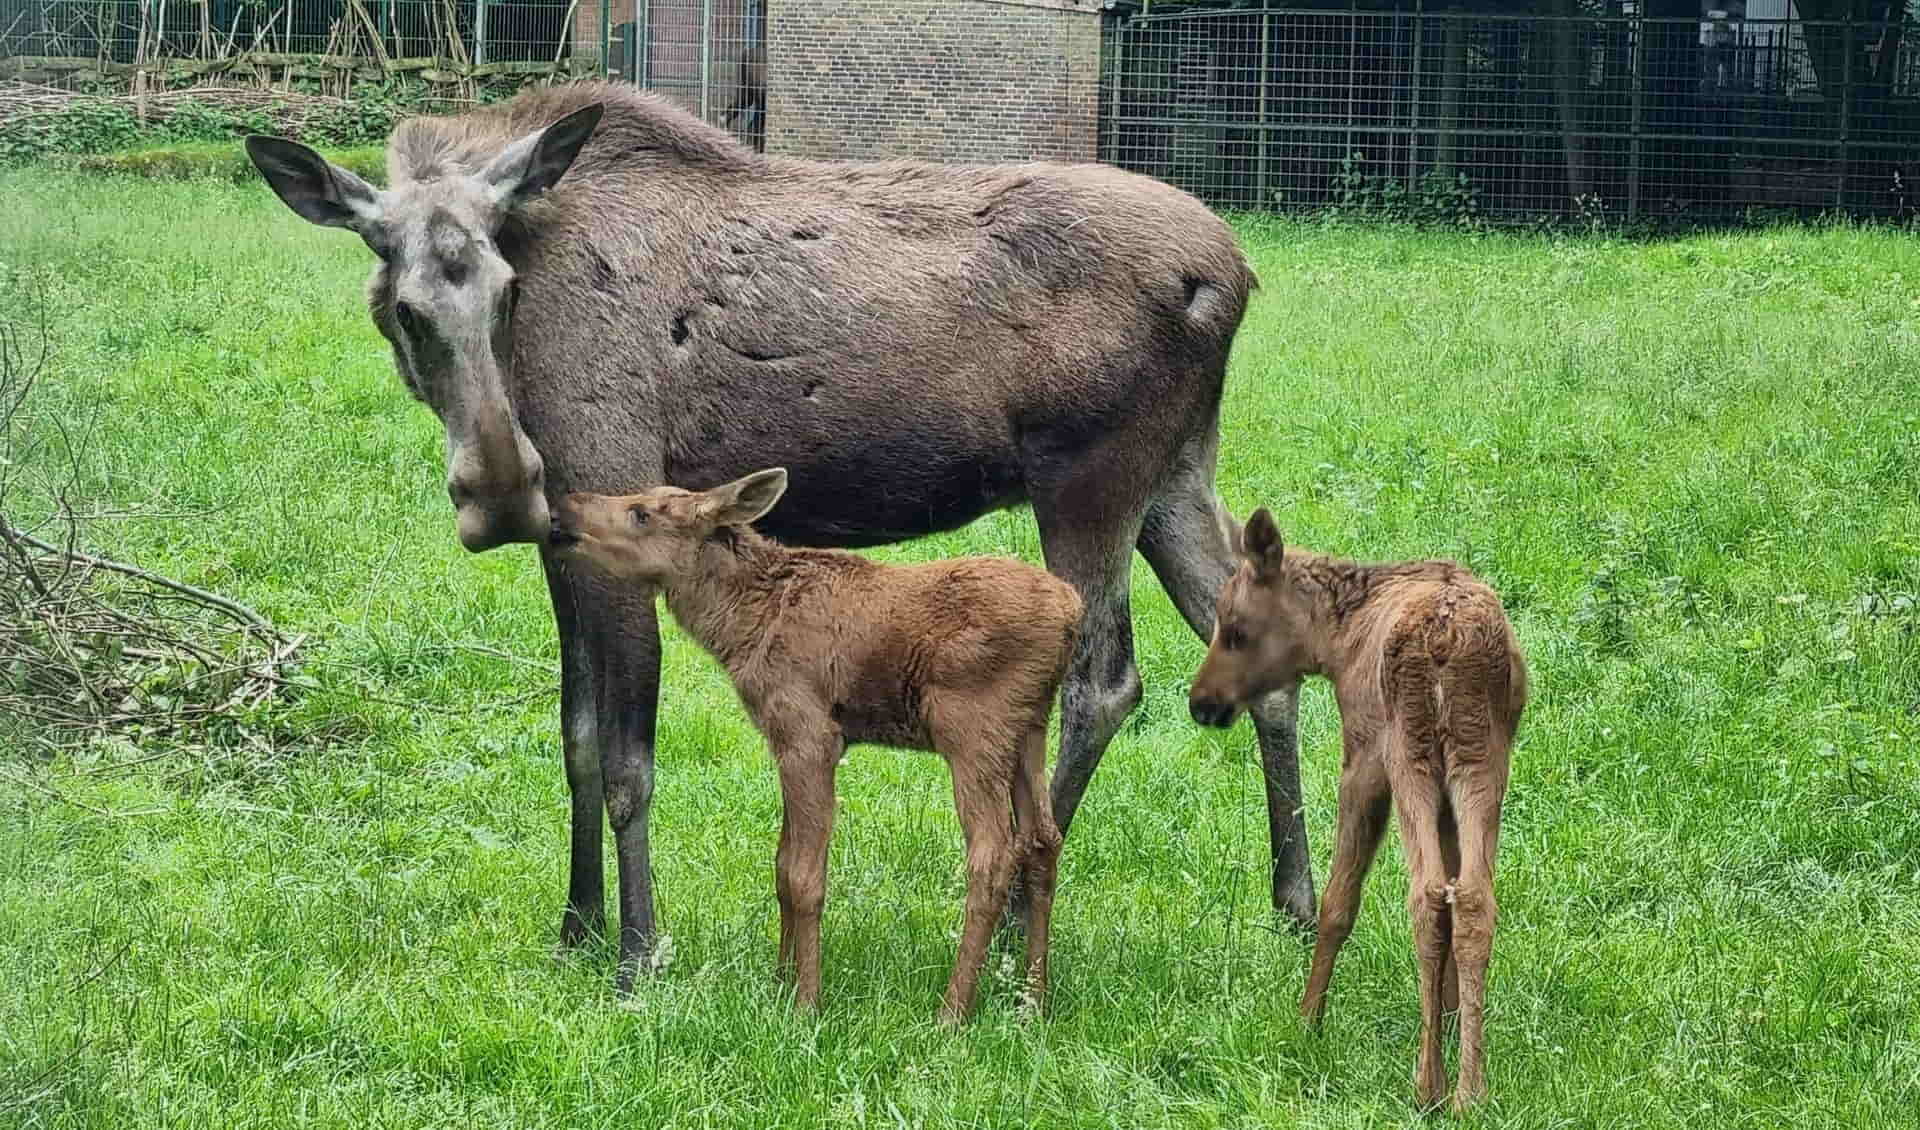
point(1417, 795)
point(1039, 854)
point(1189, 538)
point(800, 867)
point(1477, 793)
point(981, 787)
point(1364, 803)
point(1450, 862)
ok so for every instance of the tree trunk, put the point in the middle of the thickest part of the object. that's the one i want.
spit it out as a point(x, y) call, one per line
point(1453, 80)
point(1566, 92)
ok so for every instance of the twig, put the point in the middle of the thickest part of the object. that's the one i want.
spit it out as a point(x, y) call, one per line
point(234, 608)
point(104, 966)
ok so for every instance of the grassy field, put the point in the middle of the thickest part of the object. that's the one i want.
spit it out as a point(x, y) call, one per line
point(1689, 466)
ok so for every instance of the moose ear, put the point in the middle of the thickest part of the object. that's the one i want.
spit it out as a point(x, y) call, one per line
point(536, 162)
point(317, 190)
point(1260, 544)
point(743, 501)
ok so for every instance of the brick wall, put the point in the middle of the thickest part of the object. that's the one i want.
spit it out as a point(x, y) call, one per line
point(949, 80)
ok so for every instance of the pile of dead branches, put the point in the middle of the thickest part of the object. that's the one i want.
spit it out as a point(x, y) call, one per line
point(89, 645)
point(290, 112)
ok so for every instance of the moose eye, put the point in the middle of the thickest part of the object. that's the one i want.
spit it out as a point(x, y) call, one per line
point(639, 516)
point(409, 319)
point(1232, 638)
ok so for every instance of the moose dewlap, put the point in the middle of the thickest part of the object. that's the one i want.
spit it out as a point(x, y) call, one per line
point(1430, 684)
point(827, 648)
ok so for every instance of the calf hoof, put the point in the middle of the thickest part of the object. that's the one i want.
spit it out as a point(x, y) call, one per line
point(1430, 1092)
point(1312, 1012)
point(1466, 1099)
point(948, 1017)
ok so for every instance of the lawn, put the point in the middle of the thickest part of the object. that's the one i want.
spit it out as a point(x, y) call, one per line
point(1691, 467)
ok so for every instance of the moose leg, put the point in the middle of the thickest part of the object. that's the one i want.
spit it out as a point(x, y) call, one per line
point(585, 915)
point(1088, 542)
point(626, 639)
point(1364, 804)
point(1189, 538)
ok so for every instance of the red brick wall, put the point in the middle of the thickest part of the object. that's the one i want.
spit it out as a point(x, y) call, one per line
point(950, 80)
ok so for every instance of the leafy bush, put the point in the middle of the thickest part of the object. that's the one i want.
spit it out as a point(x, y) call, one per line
point(92, 127)
point(1435, 199)
point(88, 127)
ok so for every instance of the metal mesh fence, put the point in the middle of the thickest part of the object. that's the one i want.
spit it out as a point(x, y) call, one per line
point(1513, 116)
point(138, 31)
point(709, 56)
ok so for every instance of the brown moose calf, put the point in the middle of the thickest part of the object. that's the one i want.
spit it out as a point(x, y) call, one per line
point(1430, 684)
point(826, 648)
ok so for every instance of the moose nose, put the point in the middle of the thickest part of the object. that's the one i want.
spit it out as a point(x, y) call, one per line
point(1207, 712)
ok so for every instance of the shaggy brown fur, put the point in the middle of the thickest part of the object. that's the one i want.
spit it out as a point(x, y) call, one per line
point(1431, 685)
point(595, 290)
point(827, 648)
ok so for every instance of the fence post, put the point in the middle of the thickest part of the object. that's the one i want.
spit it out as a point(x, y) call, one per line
point(1353, 56)
point(479, 32)
point(1846, 110)
point(1639, 80)
point(606, 37)
point(1266, 131)
point(706, 59)
point(1413, 123)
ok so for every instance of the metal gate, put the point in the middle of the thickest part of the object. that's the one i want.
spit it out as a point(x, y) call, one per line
point(709, 56)
point(1515, 116)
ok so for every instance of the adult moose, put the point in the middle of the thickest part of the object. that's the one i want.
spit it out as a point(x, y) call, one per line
point(596, 291)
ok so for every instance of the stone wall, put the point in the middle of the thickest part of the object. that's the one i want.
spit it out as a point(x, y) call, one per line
point(949, 80)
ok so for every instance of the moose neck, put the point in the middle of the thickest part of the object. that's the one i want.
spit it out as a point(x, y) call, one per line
point(727, 603)
point(1337, 590)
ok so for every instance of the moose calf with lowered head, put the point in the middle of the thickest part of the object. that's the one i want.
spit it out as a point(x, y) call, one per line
point(825, 648)
point(1430, 684)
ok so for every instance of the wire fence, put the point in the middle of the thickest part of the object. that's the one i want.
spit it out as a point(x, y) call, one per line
point(474, 32)
point(709, 56)
point(1514, 116)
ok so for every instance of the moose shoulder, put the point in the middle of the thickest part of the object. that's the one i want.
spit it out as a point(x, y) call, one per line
point(596, 291)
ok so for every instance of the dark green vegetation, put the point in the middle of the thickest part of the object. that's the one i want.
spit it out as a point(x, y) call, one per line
point(1690, 467)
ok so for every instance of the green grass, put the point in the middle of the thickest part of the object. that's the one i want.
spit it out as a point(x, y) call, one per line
point(1689, 466)
point(221, 160)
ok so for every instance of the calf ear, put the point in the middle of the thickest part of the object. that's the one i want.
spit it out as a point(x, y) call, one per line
point(745, 500)
point(316, 189)
point(536, 162)
point(1260, 544)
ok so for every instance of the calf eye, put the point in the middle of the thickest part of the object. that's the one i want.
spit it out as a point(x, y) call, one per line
point(639, 516)
point(1232, 638)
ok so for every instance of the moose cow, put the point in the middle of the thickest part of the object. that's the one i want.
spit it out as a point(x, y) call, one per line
point(594, 290)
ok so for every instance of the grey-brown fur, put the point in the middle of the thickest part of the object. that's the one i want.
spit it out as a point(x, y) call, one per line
point(916, 343)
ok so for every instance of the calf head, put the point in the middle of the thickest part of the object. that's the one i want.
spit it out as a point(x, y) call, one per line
point(1260, 627)
point(444, 297)
point(655, 536)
